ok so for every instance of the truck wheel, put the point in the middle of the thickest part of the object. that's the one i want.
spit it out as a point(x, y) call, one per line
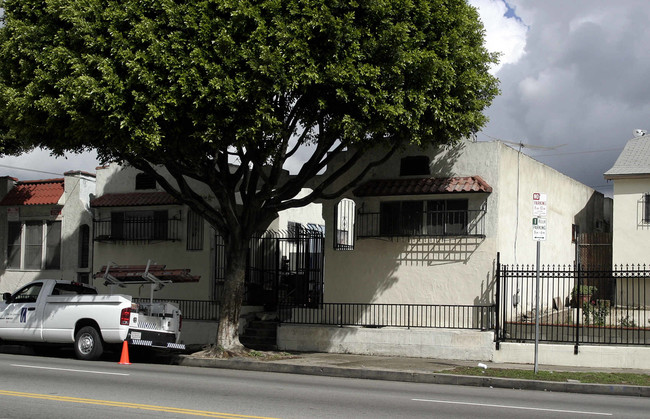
point(88, 344)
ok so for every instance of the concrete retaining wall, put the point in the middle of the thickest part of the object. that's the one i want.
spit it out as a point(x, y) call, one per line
point(195, 332)
point(637, 357)
point(424, 343)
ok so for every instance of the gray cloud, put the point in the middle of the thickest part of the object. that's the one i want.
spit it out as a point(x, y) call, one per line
point(582, 82)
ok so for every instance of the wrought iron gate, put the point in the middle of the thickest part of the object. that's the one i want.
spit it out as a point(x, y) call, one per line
point(284, 267)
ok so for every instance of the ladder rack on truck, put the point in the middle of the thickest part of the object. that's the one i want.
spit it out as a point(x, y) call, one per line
point(155, 275)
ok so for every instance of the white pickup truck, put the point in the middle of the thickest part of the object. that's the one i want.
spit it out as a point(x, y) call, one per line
point(62, 312)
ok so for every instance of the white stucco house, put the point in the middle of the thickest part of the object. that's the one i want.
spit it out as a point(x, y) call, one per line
point(631, 233)
point(45, 228)
point(425, 228)
point(136, 221)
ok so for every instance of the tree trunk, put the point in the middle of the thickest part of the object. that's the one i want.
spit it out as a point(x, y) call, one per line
point(236, 251)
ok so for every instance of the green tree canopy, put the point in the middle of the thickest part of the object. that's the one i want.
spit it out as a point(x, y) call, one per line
point(197, 85)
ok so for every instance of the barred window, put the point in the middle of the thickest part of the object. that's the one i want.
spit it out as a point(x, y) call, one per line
point(144, 181)
point(429, 218)
point(139, 225)
point(194, 231)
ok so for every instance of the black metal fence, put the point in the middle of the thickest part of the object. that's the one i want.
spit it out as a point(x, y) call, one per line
point(392, 315)
point(190, 309)
point(577, 304)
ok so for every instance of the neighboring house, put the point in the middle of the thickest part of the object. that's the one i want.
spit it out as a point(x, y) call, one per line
point(45, 229)
point(136, 222)
point(426, 228)
point(631, 233)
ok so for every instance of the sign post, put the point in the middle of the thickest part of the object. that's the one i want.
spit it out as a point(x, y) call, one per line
point(539, 235)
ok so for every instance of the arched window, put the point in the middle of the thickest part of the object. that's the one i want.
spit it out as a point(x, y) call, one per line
point(344, 224)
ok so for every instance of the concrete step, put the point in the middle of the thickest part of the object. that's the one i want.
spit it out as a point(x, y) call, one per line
point(269, 333)
point(259, 343)
point(260, 335)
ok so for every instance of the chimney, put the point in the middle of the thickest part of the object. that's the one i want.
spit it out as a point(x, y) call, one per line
point(7, 183)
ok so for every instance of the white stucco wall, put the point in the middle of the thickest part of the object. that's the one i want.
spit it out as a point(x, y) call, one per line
point(630, 239)
point(173, 254)
point(630, 235)
point(309, 214)
point(458, 270)
point(520, 177)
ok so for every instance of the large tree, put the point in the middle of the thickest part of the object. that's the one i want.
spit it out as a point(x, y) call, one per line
point(195, 86)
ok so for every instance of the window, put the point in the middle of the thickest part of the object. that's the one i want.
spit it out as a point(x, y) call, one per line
point(34, 245)
point(194, 231)
point(28, 294)
point(53, 245)
point(72, 289)
point(401, 218)
point(14, 240)
point(447, 217)
point(646, 208)
point(139, 225)
point(294, 230)
point(83, 277)
point(428, 218)
point(144, 181)
point(344, 224)
point(84, 245)
point(414, 165)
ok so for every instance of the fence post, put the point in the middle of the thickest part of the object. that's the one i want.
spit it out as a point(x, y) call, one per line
point(497, 301)
point(408, 316)
point(579, 314)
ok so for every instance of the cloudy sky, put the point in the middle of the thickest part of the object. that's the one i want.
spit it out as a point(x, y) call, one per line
point(573, 80)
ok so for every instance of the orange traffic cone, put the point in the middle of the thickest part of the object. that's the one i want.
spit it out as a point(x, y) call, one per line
point(124, 359)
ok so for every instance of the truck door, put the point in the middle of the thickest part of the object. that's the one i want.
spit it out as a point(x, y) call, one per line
point(18, 314)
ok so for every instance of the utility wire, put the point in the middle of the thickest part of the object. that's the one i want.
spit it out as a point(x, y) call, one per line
point(30, 170)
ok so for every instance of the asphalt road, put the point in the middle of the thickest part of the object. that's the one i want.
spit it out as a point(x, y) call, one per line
point(62, 387)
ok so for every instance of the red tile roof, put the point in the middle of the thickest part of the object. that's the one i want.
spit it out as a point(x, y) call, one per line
point(134, 199)
point(422, 186)
point(34, 192)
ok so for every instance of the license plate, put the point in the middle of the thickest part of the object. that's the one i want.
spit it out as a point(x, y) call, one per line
point(136, 335)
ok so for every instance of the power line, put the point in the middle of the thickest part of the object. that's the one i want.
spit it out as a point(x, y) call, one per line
point(554, 154)
point(30, 170)
point(578, 152)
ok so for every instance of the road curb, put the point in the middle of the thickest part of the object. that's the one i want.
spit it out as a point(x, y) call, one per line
point(416, 377)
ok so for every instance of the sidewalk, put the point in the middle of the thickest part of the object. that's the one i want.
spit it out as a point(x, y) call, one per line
point(415, 370)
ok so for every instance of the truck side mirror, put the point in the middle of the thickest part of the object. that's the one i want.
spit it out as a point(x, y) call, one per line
point(6, 296)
